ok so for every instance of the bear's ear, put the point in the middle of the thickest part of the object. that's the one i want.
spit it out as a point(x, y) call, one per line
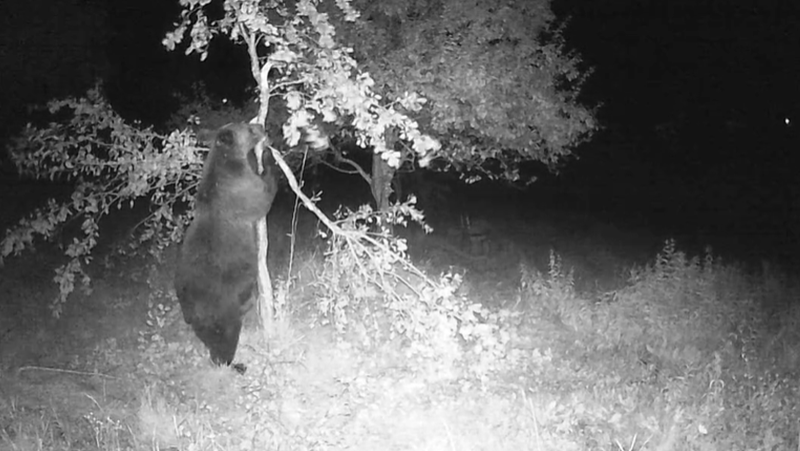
point(206, 136)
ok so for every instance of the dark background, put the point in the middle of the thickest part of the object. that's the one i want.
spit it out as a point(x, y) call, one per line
point(695, 97)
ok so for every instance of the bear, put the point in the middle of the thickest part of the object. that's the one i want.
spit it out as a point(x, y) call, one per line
point(216, 275)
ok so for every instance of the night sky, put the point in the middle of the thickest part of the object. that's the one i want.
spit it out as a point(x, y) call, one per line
point(694, 96)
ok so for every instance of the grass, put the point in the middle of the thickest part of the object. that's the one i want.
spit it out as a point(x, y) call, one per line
point(584, 343)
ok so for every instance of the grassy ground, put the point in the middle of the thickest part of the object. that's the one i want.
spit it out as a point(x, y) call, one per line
point(589, 338)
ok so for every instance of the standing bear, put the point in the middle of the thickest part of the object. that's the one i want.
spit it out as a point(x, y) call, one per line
point(217, 266)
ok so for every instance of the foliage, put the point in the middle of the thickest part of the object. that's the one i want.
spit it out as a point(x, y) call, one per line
point(687, 298)
point(697, 319)
point(600, 386)
point(366, 261)
point(550, 295)
point(110, 165)
point(367, 287)
point(688, 336)
point(494, 82)
point(314, 77)
point(501, 87)
point(155, 349)
point(673, 276)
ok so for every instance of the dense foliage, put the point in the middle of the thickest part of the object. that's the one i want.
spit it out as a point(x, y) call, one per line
point(501, 88)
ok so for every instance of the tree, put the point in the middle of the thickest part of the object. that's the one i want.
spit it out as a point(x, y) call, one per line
point(500, 87)
point(294, 56)
point(491, 81)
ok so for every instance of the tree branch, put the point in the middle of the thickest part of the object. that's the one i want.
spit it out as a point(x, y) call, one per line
point(340, 157)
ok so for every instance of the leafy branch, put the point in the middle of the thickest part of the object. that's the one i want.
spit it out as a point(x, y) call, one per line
point(110, 164)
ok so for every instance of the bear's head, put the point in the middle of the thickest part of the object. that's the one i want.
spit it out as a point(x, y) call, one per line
point(235, 142)
point(232, 150)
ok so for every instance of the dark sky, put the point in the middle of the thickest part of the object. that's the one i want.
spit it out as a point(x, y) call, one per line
point(693, 93)
point(680, 55)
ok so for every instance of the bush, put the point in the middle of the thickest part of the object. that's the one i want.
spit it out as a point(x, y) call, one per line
point(110, 165)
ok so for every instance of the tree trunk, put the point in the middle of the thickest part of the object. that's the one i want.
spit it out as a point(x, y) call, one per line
point(265, 303)
point(382, 175)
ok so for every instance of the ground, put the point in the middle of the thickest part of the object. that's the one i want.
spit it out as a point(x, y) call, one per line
point(120, 369)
